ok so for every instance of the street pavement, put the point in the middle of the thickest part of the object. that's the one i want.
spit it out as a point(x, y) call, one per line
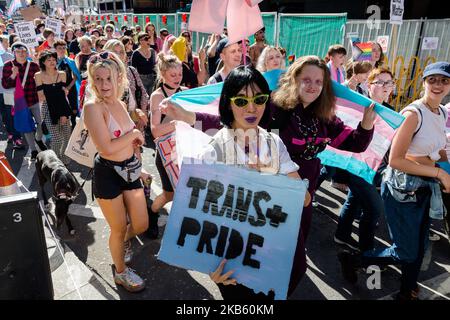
point(81, 264)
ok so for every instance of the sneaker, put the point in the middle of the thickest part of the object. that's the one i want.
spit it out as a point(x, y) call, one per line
point(128, 252)
point(350, 243)
point(348, 266)
point(18, 144)
point(34, 154)
point(129, 280)
point(41, 145)
point(434, 237)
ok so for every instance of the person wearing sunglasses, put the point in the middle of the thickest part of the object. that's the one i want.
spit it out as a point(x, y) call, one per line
point(411, 187)
point(116, 179)
point(303, 109)
point(242, 141)
point(144, 60)
point(109, 32)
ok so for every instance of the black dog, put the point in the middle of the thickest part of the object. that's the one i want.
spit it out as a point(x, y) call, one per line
point(64, 185)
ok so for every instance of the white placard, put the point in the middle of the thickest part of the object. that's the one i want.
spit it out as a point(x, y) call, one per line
point(397, 9)
point(27, 34)
point(384, 43)
point(54, 25)
point(430, 43)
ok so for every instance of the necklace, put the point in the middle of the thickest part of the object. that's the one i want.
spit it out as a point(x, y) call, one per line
point(434, 110)
point(309, 131)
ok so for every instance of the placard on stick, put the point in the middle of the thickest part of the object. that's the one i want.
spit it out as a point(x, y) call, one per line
point(27, 34)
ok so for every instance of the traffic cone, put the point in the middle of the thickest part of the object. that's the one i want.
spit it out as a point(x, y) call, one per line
point(8, 183)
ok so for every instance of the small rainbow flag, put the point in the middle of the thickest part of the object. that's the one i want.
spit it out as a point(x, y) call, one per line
point(361, 51)
point(291, 59)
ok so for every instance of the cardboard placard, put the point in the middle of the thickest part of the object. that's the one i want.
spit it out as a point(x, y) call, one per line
point(27, 34)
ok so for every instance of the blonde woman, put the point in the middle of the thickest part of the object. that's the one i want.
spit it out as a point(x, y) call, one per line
point(117, 186)
point(170, 74)
point(270, 59)
point(135, 97)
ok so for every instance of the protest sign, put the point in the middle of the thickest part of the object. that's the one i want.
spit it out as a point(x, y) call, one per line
point(227, 212)
point(30, 13)
point(397, 9)
point(166, 149)
point(27, 34)
point(55, 25)
point(185, 141)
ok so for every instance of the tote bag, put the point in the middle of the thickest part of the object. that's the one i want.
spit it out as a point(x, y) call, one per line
point(80, 147)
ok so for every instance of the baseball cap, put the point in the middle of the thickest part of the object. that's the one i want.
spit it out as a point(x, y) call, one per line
point(441, 67)
point(222, 45)
point(18, 45)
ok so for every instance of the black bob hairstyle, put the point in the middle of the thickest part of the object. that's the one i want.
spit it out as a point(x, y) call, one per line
point(44, 56)
point(239, 78)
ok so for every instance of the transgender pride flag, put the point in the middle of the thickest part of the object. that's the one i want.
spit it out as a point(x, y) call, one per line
point(350, 108)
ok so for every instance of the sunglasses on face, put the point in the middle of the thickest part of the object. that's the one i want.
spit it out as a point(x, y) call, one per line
point(164, 34)
point(145, 39)
point(241, 101)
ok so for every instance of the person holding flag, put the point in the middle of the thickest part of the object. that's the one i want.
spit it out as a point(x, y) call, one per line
point(25, 70)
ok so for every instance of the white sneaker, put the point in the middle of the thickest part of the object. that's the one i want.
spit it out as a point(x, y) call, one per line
point(129, 280)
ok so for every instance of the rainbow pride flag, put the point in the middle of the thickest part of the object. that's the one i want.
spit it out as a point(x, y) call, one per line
point(361, 51)
point(291, 59)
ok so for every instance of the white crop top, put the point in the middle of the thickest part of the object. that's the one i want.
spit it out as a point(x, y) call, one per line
point(430, 136)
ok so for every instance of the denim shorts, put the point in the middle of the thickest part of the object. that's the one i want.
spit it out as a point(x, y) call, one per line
point(107, 183)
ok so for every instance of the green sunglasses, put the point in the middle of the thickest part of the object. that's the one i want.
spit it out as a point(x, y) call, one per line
point(241, 102)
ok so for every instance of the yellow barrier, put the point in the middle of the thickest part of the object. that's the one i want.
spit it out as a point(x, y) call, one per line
point(408, 80)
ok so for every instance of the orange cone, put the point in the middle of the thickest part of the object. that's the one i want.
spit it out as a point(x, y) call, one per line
point(8, 183)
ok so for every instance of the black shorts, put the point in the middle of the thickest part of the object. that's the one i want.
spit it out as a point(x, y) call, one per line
point(107, 183)
point(165, 181)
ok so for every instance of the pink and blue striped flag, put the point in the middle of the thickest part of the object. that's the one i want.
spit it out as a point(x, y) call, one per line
point(23, 121)
point(13, 6)
point(350, 107)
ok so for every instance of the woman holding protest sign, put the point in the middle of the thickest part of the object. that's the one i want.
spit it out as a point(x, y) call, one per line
point(116, 183)
point(304, 112)
point(242, 141)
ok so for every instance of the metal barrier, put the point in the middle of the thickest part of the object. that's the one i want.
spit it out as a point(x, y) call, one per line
point(407, 54)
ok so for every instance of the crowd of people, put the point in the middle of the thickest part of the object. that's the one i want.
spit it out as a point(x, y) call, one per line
point(122, 79)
